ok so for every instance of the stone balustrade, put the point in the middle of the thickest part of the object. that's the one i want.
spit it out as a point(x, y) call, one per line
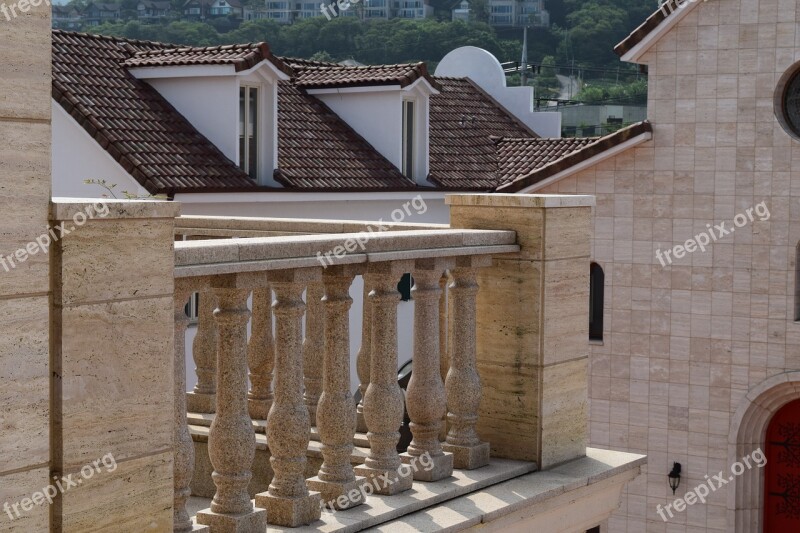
point(286, 282)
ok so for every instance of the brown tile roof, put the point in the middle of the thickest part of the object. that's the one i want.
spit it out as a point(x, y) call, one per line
point(463, 120)
point(519, 157)
point(318, 150)
point(542, 171)
point(131, 121)
point(644, 29)
point(312, 76)
point(241, 56)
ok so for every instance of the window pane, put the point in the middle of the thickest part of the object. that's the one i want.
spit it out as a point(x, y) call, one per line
point(252, 134)
point(408, 139)
point(241, 127)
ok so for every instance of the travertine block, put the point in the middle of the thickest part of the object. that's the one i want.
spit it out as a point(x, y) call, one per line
point(25, 378)
point(291, 512)
point(129, 258)
point(564, 412)
point(232, 523)
point(14, 489)
point(25, 64)
point(24, 194)
point(117, 378)
point(132, 497)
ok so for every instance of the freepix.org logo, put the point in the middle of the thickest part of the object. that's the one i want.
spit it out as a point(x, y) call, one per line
point(12, 11)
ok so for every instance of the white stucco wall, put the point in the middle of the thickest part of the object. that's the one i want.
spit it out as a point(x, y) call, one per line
point(376, 116)
point(76, 156)
point(210, 104)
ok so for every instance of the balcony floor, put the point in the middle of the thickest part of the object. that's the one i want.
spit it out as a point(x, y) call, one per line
point(379, 509)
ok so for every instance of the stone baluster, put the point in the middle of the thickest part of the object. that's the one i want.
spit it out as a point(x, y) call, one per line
point(444, 361)
point(288, 501)
point(383, 401)
point(313, 348)
point(463, 385)
point(204, 351)
point(363, 358)
point(261, 355)
point(425, 396)
point(182, 440)
point(336, 413)
point(231, 440)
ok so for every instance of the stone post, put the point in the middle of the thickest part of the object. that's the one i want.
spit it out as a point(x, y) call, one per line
point(182, 440)
point(463, 383)
point(425, 396)
point(363, 356)
point(313, 348)
point(261, 355)
point(288, 501)
point(231, 440)
point(112, 361)
point(383, 401)
point(532, 343)
point(336, 414)
point(204, 352)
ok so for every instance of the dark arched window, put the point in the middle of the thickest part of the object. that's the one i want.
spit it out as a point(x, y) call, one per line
point(596, 285)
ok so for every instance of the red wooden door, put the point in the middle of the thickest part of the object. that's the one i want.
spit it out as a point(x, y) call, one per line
point(782, 471)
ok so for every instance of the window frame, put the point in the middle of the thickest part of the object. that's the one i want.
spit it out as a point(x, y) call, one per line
point(409, 138)
point(244, 123)
point(596, 301)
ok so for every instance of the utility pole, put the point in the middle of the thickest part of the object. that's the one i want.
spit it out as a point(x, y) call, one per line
point(523, 78)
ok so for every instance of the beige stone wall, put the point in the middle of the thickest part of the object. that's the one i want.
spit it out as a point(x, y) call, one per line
point(24, 290)
point(113, 349)
point(684, 344)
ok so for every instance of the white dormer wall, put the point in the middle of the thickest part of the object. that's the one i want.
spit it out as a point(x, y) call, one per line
point(208, 97)
point(376, 113)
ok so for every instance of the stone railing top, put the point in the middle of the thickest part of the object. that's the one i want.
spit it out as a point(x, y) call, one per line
point(228, 256)
point(112, 209)
point(223, 226)
point(521, 200)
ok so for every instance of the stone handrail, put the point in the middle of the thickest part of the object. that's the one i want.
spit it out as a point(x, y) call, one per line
point(323, 266)
point(222, 226)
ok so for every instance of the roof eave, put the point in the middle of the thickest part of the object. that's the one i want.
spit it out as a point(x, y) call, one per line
point(634, 46)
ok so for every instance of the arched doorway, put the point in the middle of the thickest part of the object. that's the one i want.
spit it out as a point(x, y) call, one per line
point(782, 471)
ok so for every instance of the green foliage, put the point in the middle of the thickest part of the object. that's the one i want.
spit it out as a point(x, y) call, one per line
point(634, 92)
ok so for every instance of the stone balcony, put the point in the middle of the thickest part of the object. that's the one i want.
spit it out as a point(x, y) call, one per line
point(271, 438)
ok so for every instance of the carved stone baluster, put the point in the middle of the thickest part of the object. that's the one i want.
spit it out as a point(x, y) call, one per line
point(383, 401)
point(444, 361)
point(425, 396)
point(363, 358)
point(336, 414)
point(231, 441)
point(204, 351)
point(288, 501)
point(261, 355)
point(313, 348)
point(182, 440)
point(463, 385)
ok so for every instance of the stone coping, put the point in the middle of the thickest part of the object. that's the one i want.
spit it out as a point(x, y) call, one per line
point(521, 200)
point(379, 509)
point(218, 225)
point(67, 208)
point(228, 256)
point(523, 492)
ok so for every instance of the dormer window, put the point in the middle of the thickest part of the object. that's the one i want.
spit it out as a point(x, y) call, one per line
point(248, 130)
point(409, 128)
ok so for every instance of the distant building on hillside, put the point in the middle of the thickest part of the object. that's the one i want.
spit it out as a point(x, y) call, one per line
point(152, 11)
point(66, 17)
point(462, 11)
point(97, 13)
point(203, 9)
point(530, 13)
